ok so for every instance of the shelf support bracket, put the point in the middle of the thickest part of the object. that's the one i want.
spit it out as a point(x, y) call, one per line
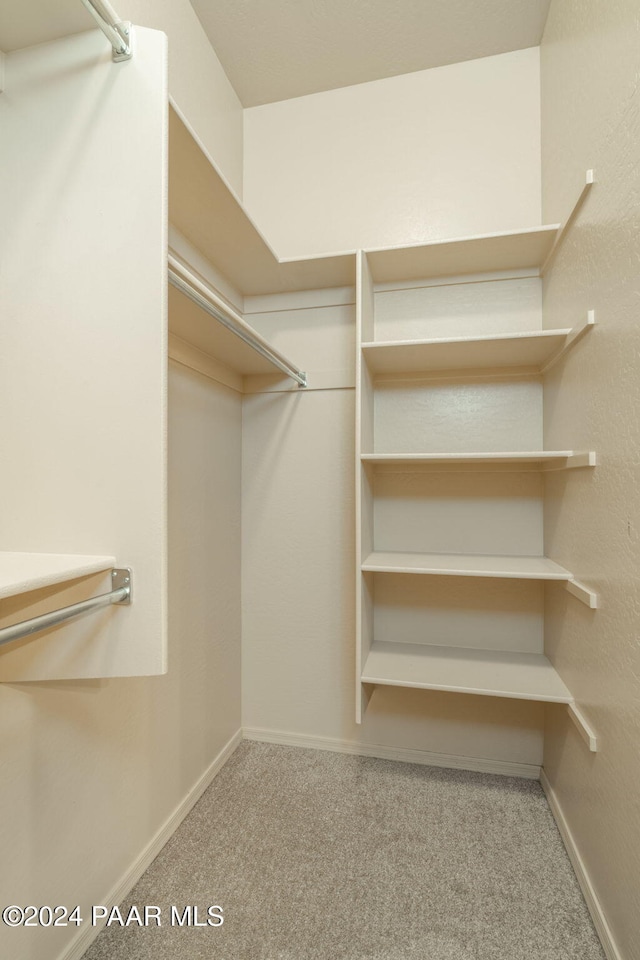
point(576, 333)
point(584, 728)
point(588, 183)
point(582, 593)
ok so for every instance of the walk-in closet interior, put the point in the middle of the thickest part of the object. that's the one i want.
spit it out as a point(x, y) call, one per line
point(320, 420)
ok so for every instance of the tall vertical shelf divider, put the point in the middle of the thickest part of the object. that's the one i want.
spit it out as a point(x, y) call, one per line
point(449, 457)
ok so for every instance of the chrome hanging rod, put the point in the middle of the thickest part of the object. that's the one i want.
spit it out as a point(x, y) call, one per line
point(120, 594)
point(117, 31)
point(206, 299)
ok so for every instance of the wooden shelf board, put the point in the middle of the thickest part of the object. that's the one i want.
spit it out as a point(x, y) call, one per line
point(514, 250)
point(204, 208)
point(531, 349)
point(556, 459)
point(491, 673)
point(459, 565)
point(22, 572)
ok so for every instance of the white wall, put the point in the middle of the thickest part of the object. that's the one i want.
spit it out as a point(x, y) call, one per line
point(197, 82)
point(444, 152)
point(591, 118)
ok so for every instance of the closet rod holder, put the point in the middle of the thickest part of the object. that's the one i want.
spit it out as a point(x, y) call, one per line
point(180, 278)
point(121, 594)
point(117, 31)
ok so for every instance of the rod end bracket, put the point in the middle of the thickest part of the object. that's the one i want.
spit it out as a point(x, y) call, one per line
point(122, 579)
point(125, 30)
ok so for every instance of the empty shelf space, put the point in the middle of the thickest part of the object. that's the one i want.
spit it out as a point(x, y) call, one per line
point(517, 250)
point(542, 459)
point(207, 212)
point(460, 565)
point(530, 350)
point(22, 572)
point(492, 673)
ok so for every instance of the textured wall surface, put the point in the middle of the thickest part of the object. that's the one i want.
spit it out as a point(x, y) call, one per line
point(91, 770)
point(439, 153)
point(591, 118)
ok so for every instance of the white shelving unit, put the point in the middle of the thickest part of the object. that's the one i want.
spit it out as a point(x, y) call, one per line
point(479, 391)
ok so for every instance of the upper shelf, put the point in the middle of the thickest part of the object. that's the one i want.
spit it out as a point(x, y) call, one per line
point(22, 572)
point(518, 250)
point(531, 351)
point(206, 211)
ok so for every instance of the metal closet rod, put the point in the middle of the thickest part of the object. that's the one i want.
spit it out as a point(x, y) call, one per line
point(121, 594)
point(182, 280)
point(117, 31)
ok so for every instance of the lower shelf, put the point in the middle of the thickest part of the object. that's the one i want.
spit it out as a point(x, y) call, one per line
point(543, 460)
point(491, 673)
point(460, 565)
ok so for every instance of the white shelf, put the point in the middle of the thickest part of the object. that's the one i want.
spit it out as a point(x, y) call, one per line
point(204, 208)
point(22, 572)
point(531, 350)
point(515, 250)
point(459, 565)
point(492, 673)
point(542, 459)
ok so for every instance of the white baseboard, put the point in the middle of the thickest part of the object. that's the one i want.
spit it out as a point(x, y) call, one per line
point(504, 768)
point(116, 895)
point(595, 908)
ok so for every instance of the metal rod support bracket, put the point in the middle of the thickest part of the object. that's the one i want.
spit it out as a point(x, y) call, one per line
point(118, 32)
point(125, 30)
point(123, 580)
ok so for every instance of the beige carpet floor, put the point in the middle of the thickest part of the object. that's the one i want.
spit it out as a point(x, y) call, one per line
point(323, 856)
